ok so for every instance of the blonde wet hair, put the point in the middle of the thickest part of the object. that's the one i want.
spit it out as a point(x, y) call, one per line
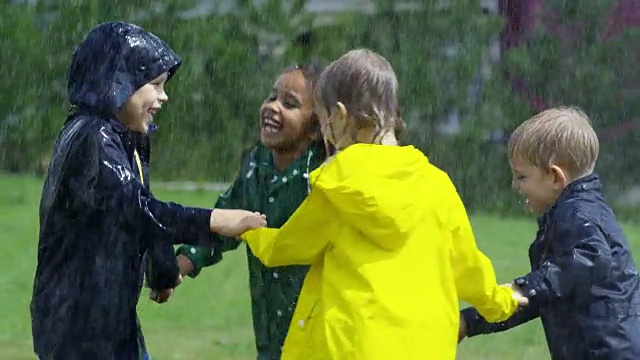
point(561, 136)
point(365, 83)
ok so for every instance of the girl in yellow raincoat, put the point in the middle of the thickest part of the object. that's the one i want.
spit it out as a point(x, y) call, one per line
point(385, 232)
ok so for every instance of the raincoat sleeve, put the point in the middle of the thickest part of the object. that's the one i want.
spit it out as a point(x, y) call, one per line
point(475, 278)
point(300, 241)
point(161, 265)
point(477, 325)
point(162, 268)
point(580, 257)
point(106, 182)
point(203, 256)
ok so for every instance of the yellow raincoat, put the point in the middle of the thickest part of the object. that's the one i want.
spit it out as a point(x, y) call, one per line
point(391, 252)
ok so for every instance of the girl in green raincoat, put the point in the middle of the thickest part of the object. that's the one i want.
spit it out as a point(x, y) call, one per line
point(273, 179)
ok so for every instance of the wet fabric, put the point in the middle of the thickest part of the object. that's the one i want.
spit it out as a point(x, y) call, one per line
point(583, 283)
point(391, 250)
point(259, 186)
point(99, 222)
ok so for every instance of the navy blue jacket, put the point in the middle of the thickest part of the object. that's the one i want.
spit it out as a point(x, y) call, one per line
point(98, 218)
point(583, 282)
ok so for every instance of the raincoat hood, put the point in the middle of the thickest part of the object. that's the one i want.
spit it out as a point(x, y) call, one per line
point(113, 61)
point(373, 187)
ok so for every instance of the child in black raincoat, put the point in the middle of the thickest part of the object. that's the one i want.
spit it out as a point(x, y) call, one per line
point(583, 283)
point(99, 222)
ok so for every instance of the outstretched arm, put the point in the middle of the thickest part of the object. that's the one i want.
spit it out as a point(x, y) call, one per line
point(472, 323)
point(192, 259)
point(300, 241)
point(473, 272)
point(580, 257)
point(107, 183)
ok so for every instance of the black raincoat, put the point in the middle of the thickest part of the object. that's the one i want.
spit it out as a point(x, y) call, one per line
point(99, 223)
point(584, 282)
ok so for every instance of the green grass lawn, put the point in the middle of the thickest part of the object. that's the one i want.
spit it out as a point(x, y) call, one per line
point(209, 317)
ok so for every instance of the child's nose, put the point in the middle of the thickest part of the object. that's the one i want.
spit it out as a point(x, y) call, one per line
point(514, 184)
point(162, 97)
point(273, 106)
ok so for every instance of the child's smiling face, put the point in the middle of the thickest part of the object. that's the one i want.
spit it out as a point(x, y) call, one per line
point(285, 116)
point(540, 187)
point(137, 113)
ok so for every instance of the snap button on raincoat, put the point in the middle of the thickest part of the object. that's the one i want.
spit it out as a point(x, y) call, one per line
point(391, 253)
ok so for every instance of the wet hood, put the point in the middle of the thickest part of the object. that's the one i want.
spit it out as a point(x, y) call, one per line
point(113, 61)
point(378, 189)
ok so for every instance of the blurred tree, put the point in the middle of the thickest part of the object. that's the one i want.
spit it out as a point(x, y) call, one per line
point(214, 99)
point(574, 58)
point(63, 25)
point(232, 54)
point(22, 89)
point(233, 57)
point(439, 50)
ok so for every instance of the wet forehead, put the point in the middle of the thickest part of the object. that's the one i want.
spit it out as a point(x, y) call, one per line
point(161, 78)
point(293, 82)
point(520, 165)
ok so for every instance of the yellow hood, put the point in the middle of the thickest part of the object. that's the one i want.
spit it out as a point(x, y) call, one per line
point(376, 188)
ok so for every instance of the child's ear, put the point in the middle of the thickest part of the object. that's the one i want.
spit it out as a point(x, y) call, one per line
point(341, 110)
point(560, 178)
point(339, 120)
point(340, 127)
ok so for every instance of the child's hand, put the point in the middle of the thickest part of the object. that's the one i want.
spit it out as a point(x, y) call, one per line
point(235, 222)
point(185, 264)
point(462, 329)
point(517, 294)
point(162, 296)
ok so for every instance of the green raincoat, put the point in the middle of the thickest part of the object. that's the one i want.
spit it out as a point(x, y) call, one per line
point(274, 291)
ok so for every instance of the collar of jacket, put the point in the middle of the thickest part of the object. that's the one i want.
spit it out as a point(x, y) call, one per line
point(584, 184)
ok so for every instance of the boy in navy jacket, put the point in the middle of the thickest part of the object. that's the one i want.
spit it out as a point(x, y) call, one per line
point(583, 282)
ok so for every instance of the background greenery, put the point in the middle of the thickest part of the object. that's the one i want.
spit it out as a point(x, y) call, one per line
point(234, 51)
point(443, 53)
